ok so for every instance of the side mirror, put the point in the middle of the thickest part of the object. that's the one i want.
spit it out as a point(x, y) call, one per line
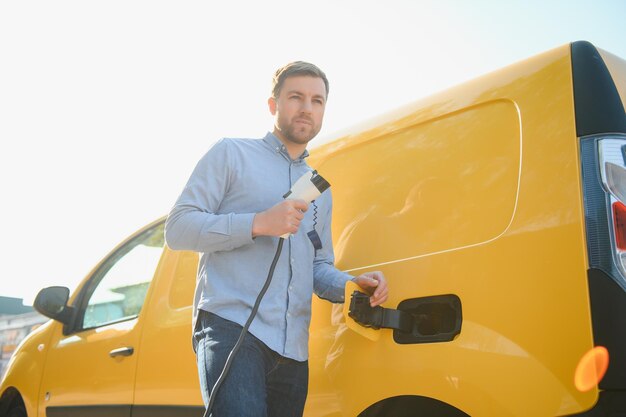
point(52, 302)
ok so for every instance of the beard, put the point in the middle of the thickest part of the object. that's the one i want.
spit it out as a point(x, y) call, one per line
point(298, 132)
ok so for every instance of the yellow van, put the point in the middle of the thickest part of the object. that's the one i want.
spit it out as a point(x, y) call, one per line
point(496, 210)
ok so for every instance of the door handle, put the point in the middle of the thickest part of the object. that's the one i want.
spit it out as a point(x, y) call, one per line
point(123, 351)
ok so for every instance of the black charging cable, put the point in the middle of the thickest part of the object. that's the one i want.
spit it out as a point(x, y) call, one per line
point(233, 352)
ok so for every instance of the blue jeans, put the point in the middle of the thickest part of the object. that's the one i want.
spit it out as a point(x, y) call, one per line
point(260, 383)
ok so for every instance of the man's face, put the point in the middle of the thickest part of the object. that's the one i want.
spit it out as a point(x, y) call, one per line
point(299, 108)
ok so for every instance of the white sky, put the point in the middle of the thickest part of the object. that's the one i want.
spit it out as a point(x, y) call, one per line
point(105, 107)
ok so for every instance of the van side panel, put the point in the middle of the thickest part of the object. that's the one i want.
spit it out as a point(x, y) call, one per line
point(522, 282)
point(463, 195)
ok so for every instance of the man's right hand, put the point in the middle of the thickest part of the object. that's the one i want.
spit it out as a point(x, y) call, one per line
point(283, 218)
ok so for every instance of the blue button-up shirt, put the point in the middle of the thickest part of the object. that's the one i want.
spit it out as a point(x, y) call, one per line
point(234, 180)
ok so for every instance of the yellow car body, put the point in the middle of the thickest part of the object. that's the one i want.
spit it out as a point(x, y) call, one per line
point(476, 192)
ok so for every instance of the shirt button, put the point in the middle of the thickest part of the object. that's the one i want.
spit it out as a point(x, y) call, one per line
point(288, 314)
point(291, 288)
point(293, 260)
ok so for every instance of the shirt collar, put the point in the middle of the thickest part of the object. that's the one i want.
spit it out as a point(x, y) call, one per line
point(277, 146)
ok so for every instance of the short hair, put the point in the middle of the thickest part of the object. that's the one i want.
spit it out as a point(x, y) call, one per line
point(294, 69)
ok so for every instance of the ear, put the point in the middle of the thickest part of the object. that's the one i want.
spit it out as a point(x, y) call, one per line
point(271, 102)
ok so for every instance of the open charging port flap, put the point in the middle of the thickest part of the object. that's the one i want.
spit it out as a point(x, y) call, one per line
point(429, 319)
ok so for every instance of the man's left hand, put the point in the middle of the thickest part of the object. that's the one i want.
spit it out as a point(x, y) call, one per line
point(375, 284)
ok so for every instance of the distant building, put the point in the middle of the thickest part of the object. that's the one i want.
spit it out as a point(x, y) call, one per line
point(12, 306)
point(16, 321)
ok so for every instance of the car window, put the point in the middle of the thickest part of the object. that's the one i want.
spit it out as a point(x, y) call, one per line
point(119, 287)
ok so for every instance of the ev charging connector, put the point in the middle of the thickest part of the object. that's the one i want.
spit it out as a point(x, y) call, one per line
point(308, 187)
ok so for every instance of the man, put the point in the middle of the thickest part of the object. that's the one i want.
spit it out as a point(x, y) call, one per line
point(232, 211)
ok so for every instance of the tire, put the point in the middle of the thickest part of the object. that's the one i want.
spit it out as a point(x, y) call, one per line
point(17, 411)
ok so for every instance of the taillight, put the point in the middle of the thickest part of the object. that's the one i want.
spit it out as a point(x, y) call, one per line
point(604, 182)
point(619, 226)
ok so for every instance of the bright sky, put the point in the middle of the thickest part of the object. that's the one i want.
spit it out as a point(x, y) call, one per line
point(105, 107)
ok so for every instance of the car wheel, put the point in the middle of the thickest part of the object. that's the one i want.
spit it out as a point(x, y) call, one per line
point(18, 411)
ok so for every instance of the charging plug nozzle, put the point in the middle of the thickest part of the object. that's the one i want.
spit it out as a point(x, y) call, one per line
point(308, 187)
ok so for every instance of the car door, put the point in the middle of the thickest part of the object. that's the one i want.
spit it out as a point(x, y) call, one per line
point(91, 363)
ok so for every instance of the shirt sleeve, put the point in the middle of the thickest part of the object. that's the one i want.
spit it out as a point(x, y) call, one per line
point(328, 281)
point(194, 223)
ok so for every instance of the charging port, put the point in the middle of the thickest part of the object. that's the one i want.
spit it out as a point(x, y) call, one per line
point(435, 319)
point(417, 320)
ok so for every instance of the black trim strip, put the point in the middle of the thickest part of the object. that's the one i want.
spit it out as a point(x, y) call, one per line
point(125, 410)
point(167, 411)
point(610, 404)
point(118, 410)
point(598, 106)
point(608, 315)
